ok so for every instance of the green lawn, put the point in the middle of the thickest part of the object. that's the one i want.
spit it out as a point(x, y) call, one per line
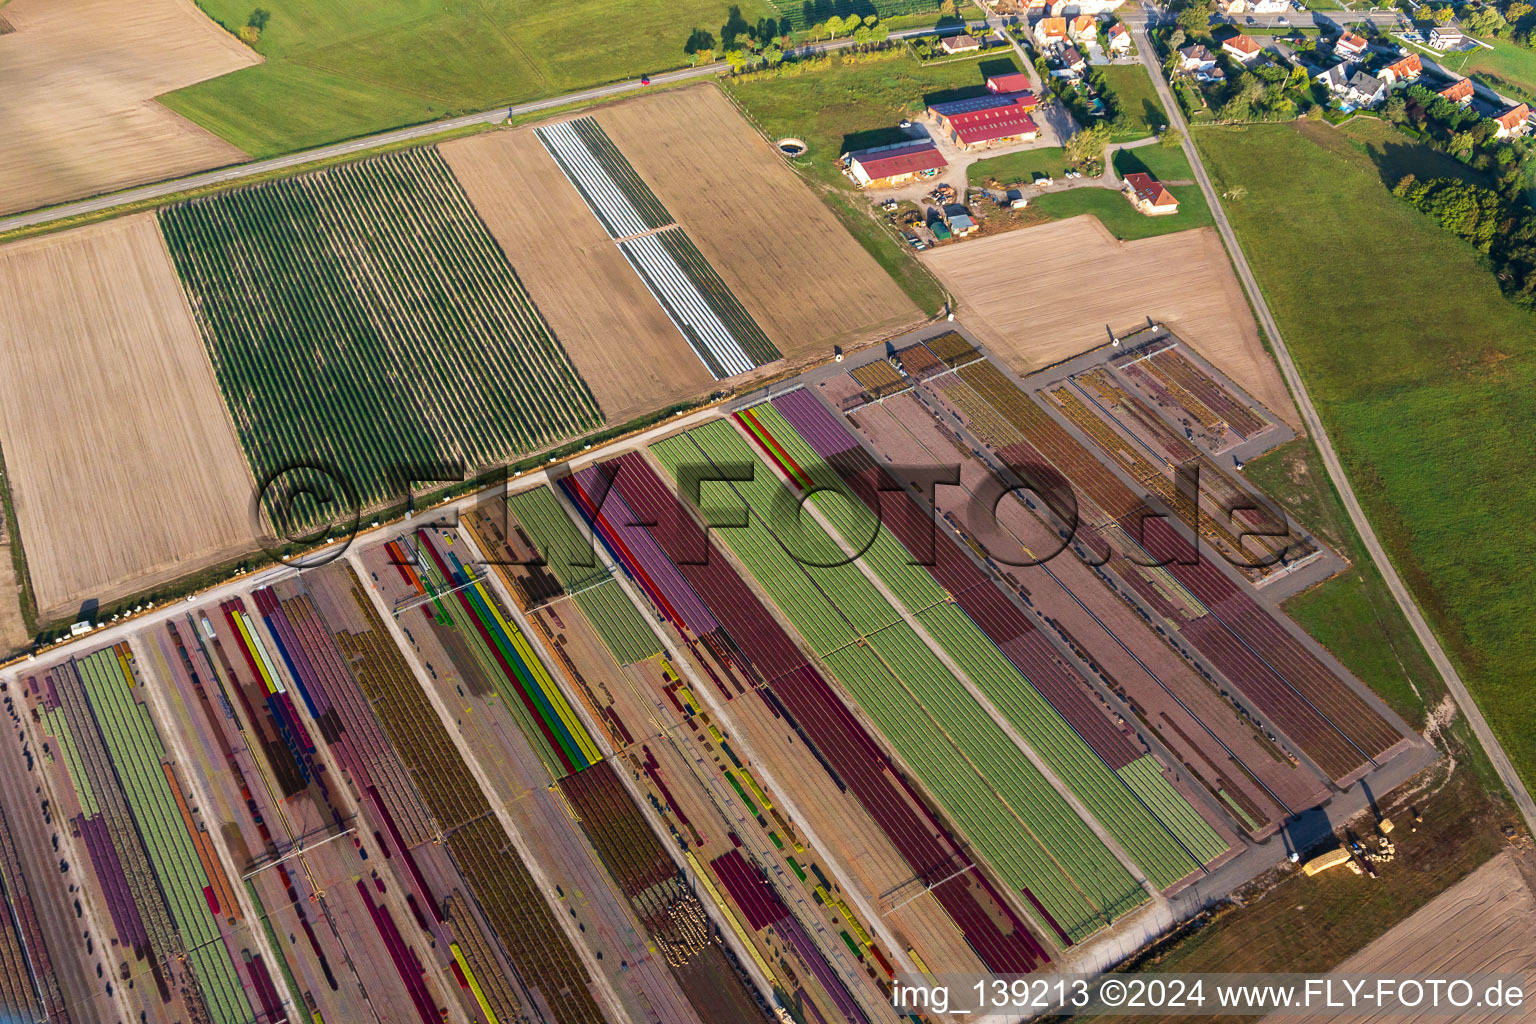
point(1425, 375)
point(1018, 168)
point(1138, 102)
point(338, 69)
point(853, 106)
point(1513, 64)
point(1123, 220)
point(1162, 162)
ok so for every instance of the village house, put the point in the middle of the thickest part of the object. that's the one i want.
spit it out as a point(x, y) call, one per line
point(1083, 30)
point(1050, 32)
point(959, 44)
point(1404, 70)
point(1446, 37)
point(1149, 196)
point(1198, 61)
point(1350, 45)
point(1353, 86)
point(1245, 48)
point(1233, 7)
point(1119, 39)
point(1514, 121)
point(1459, 91)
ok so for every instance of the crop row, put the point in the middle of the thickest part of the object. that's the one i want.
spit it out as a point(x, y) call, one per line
point(137, 755)
point(514, 908)
point(996, 795)
point(622, 203)
point(803, 697)
point(527, 690)
point(748, 334)
point(997, 647)
point(1315, 707)
point(37, 968)
point(341, 717)
point(760, 902)
point(363, 320)
point(802, 14)
point(576, 566)
point(711, 339)
point(1173, 368)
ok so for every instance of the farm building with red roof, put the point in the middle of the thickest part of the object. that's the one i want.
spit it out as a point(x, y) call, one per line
point(1014, 81)
point(989, 120)
point(886, 166)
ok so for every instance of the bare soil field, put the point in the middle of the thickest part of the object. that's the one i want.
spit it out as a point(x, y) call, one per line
point(13, 630)
point(122, 461)
point(1486, 923)
point(619, 337)
point(1043, 294)
point(77, 85)
point(788, 259)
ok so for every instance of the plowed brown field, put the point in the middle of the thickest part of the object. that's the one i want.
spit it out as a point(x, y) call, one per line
point(623, 345)
point(1486, 923)
point(77, 85)
point(121, 458)
point(785, 255)
point(1043, 294)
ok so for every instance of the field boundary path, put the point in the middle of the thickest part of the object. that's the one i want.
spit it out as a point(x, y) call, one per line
point(238, 172)
point(1314, 423)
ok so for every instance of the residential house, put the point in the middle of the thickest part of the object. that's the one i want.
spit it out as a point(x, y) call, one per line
point(889, 166)
point(1149, 196)
point(1514, 121)
point(1350, 45)
point(959, 44)
point(994, 119)
point(1446, 37)
point(1198, 61)
point(1050, 32)
point(1459, 91)
point(1071, 60)
point(1353, 86)
point(1119, 39)
point(1405, 69)
point(1245, 48)
point(1083, 30)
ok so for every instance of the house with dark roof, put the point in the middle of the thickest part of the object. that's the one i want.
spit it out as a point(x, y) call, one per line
point(889, 166)
point(1149, 196)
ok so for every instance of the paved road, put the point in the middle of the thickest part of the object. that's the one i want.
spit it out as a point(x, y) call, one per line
point(1314, 423)
point(237, 172)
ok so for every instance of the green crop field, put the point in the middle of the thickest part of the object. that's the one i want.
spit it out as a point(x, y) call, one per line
point(595, 592)
point(335, 70)
point(1431, 398)
point(362, 322)
point(1120, 802)
point(804, 13)
point(994, 793)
